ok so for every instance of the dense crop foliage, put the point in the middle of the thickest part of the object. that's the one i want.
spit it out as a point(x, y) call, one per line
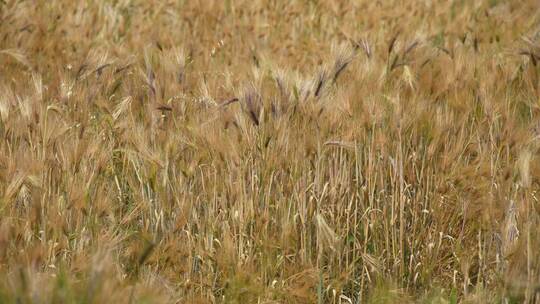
point(256, 151)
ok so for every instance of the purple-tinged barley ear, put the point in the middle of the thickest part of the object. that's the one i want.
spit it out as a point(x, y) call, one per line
point(524, 52)
point(181, 74)
point(255, 60)
point(529, 54)
point(321, 79)
point(340, 65)
point(284, 91)
point(281, 86)
point(229, 101)
point(100, 69)
point(120, 69)
point(511, 231)
point(164, 108)
point(80, 71)
point(394, 63)
point(533, 59)
point(356, 45)
point(150, 75)
point(463, 38)
point(445, 50)
point(392, 43)
point(274, 109)
point(343, 58)
point(367, 48)
point(253, 103)
point(181, 61)
point(159, 46)
point(410, 48)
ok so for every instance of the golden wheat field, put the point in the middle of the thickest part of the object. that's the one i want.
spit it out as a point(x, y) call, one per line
point(268, 151)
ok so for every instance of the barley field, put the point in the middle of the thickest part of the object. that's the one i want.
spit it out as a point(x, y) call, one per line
point(267, 151)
